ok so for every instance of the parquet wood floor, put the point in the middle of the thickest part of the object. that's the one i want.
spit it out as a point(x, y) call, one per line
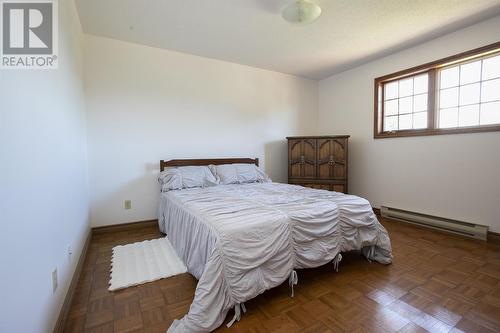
point(437, 283)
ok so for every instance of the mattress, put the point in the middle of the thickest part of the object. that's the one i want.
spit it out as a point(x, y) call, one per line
point(240, 240)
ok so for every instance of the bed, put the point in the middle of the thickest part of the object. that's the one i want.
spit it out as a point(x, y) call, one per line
point(239, 240)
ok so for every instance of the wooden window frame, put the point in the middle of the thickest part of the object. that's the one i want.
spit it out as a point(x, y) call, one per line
point(431, 68)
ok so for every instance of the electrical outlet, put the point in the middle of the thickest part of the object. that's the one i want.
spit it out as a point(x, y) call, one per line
point(128, 204)
point(54, 281)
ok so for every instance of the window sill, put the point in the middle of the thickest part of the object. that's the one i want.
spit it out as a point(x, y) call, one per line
point(441, 131)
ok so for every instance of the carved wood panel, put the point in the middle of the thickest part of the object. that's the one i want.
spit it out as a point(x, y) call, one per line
point(302, 158)
point(329, 187)
point(318, 186)
point(338, 188)
point(332, 159)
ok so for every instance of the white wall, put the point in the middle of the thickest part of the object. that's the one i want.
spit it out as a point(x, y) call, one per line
point(44, 190)
point(455, 176)
point(146, 104)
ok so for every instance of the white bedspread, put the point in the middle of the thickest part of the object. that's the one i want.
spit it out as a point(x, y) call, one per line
point(240, 240)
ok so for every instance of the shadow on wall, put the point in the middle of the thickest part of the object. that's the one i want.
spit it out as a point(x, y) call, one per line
point(144, 193)
point(276, 157)
point(144, 189)
point(153, 168)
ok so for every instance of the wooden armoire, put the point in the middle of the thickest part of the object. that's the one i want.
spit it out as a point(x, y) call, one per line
point(318, 162)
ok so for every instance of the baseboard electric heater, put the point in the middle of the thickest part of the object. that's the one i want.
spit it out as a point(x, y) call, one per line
point(452, 226)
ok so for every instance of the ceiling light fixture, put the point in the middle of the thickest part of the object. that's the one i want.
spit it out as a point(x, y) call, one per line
point(301, 12)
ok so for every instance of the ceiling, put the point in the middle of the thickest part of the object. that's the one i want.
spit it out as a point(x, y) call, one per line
point(252, 32)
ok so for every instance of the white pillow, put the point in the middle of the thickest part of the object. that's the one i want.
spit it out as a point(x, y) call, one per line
point(238, 173)
point(186, 177)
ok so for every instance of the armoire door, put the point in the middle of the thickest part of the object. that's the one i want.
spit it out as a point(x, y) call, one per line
point(302, 158)
point(332, 159)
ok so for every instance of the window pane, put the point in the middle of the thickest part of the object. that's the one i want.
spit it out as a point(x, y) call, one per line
point(491, 68)
point(405, 105)
point(468, 115)
point(391, 107)
point(448, 118)
point(406, 87)
point(490, 113)
point(420, 103)
point(420, 120)
point(420, 84)
point(448, 98)
point(391, 90)
point(469, 94)
point(405, 121)
point(470, 72)
point(391, 123)
point(490, 91)
point(449, 77)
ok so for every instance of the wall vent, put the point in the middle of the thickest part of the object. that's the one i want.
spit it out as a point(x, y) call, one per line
point(476, 231)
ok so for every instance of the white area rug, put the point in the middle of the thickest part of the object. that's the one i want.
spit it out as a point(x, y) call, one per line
point(142, 262)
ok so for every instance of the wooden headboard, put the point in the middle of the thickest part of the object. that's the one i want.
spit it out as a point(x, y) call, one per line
point(215, 161)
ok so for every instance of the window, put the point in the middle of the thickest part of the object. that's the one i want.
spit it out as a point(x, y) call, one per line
point(458, 94)
point(405, 103)
point(469, 93)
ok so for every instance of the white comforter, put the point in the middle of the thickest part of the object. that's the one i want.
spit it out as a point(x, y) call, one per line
point(240, 240)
